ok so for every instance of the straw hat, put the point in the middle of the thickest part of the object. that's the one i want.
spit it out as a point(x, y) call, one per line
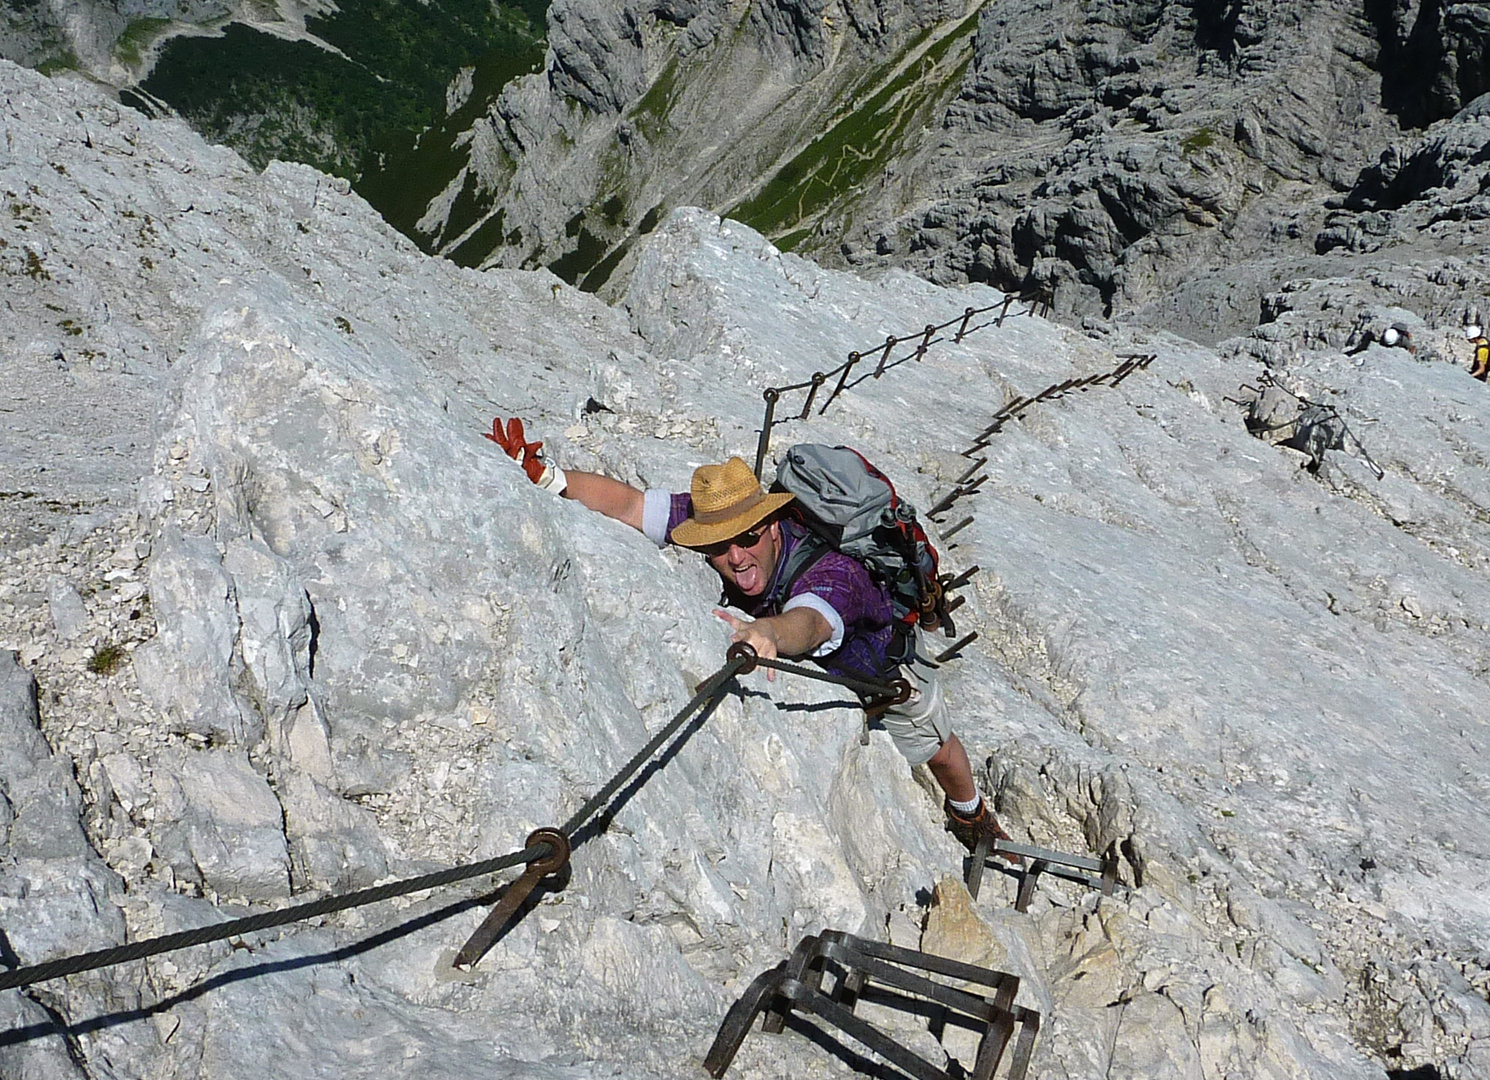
point(727, 500)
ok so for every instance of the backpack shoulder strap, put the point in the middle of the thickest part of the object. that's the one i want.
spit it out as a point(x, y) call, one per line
point(809, 548)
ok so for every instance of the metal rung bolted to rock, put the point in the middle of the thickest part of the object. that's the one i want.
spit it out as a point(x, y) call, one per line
point(893, 977)
point(486, 934)
point(1083, 869)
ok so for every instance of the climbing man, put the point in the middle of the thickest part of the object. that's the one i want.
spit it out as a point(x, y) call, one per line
point(1480, 369)
point(832, 612)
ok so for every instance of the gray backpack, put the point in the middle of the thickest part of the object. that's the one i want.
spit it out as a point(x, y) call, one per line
point(850, 506)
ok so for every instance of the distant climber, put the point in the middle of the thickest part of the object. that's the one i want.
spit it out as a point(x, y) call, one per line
point(833, 612)
point(1396, 336)
point(1480, 368)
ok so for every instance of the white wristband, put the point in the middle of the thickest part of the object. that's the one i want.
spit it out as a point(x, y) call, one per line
point(554, 480)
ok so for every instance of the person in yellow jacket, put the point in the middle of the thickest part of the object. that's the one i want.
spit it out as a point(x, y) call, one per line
point(1480, 369)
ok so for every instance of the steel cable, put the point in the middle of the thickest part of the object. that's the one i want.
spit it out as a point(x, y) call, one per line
point(709, 690)
point(879, 688)
point(138, 950)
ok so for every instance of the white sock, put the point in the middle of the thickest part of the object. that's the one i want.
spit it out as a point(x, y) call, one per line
point(965, 808)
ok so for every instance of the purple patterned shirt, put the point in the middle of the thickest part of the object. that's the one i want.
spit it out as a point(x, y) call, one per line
point(836, 586)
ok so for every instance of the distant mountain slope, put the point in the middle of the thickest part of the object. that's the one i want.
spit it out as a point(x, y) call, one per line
point(348, 87)
point(1176, 159)
point(1104, 153)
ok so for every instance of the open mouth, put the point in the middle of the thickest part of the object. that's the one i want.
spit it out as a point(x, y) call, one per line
point(748, 579)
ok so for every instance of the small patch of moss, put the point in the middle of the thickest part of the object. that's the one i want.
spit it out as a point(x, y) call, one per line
point(107, 660)
point(650, 113)
point(790, 241)
point(65, 61)
point(1203, 139)
point(138, 36)
point(34, 268)
point(343, 325)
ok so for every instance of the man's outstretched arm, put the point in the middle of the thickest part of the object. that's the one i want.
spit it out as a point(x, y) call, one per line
point(793, 633)
point(613, 498)
point(599, 493)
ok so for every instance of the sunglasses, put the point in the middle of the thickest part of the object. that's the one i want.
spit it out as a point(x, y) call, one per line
point(744, 540)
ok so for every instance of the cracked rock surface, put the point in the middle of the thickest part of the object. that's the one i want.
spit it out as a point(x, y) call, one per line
point(306, 631)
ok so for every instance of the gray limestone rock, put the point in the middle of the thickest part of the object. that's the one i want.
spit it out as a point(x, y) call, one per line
point(66, 609)
point(219, 824)
point(44, 1054)
point(334, 844)
point(41, 797)
point(596, 53)
point(191, 669)
point(56, 896)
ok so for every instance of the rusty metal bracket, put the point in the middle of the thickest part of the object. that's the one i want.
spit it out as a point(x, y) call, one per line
point(893, 976)
point(512, 900)
point(1100, 874)
point(771, 396)
point(967, 316)
point(951, 651)
point(947, 534)
point(951, 584)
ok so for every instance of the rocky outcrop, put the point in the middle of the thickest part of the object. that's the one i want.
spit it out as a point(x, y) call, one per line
point(1119, 158)
point(644, 108)
point(56, 895)
point(383, 651)
point(1433, 57)
point(1145, 140)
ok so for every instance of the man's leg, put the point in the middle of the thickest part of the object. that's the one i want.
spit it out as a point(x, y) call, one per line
point(953, 771)
point(923, 734)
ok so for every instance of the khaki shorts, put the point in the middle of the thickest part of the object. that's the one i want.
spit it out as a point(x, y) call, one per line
point(920, 726)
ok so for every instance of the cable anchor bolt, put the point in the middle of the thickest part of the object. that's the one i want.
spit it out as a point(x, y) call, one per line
point(517, 893)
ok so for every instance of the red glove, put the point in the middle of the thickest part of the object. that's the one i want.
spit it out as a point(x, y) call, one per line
point(513, 442)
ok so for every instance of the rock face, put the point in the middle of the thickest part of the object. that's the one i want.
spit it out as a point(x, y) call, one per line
point(330, 635)
point(1173, 160)
point(112, 41)
point(1433, 58)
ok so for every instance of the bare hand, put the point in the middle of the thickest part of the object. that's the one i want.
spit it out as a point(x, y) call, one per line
point(760, 635)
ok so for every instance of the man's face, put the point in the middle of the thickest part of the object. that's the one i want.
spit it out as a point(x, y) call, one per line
point(746, 562)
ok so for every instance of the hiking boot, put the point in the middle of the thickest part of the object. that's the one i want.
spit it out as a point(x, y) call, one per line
point(969, 830)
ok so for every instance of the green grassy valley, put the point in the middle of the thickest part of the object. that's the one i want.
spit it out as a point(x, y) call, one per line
point(374, 114)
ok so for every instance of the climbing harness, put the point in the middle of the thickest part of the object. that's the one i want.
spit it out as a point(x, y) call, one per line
point(1100, 874)
point(890, 976)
